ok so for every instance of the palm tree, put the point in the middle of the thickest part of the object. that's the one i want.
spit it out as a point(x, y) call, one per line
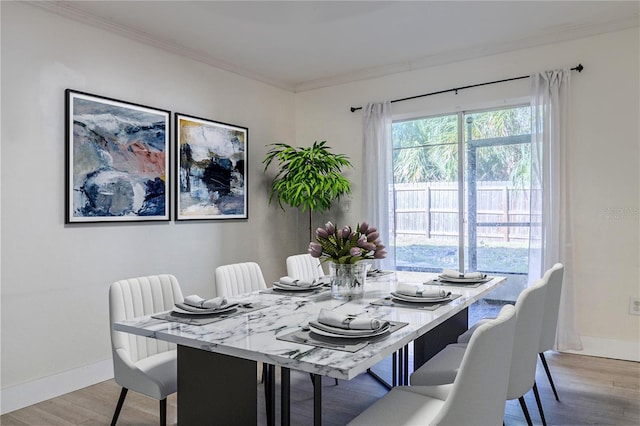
point(426, 150)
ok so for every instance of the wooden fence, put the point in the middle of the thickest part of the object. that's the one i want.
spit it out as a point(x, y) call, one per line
point(431, 209)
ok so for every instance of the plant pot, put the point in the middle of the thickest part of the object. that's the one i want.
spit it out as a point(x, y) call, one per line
point(347, 280)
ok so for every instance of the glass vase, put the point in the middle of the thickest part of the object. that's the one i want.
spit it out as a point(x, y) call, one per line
point(347, 280)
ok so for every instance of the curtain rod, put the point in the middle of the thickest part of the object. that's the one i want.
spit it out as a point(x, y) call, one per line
point(578, 68)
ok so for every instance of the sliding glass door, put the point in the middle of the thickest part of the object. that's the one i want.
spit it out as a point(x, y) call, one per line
point(461, 187)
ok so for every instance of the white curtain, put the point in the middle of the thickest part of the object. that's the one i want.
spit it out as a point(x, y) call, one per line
point(551, 194)
point(378, 176)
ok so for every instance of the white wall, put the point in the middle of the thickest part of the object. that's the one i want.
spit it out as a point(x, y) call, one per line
point(604, 164)
point(55, 278)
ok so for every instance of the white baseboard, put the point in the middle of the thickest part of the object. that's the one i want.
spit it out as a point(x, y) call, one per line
point(19, 396)
point(628, 350)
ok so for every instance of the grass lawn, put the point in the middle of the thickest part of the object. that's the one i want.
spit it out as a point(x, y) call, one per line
point(491, 257)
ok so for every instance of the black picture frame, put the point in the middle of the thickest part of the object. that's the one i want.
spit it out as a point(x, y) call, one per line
point(211, 169)
point(117, 160)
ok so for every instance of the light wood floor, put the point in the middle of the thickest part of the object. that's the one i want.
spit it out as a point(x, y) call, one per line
point(593, 391)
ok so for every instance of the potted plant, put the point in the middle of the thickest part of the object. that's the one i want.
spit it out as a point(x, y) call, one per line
point(309, 178)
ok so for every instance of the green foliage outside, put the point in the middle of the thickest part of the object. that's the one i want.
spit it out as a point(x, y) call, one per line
point(426, 150)
point(511, 259)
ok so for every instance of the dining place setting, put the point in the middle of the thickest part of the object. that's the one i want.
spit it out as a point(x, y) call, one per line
point(196, 310)
point(349, 333)
point(288, 286)
point(376, 273)
point(417, 296)
point(450, 277)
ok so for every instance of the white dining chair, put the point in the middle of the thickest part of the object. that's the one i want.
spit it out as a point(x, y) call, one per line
point(477, 395)
point(241, 278)
point(147, 366)
point(304, 266)
point(550, 319)
point(445, 365)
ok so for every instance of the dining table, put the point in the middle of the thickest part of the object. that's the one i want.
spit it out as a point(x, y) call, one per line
point(218, 356)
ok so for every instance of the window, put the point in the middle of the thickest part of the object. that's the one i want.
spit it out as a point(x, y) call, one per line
point(461, 188)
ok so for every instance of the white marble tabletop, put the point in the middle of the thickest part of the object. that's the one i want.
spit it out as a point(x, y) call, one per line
point(252, 335)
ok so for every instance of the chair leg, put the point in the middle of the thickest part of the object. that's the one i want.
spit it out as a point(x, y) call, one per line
point(163, 412)
point(123, 395)
point(525, 411)
point(546, 368)
point(539, 402)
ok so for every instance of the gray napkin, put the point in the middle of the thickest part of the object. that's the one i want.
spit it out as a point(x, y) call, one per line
point(420, 291)
point(450, 273)
point(198, 302)
point(308, 282)
point(334, 319)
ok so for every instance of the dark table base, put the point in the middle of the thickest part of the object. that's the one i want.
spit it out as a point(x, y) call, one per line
point(215, 389)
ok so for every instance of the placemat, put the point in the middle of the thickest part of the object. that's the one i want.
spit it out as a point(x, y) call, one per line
point(307, 337)
point(207, 319)
point(389, 301)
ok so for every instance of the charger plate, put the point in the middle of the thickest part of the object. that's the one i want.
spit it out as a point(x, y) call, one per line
point(182, 308)
point(326, 330)
point(464, 280)
point(287, 287)
point(420, 299)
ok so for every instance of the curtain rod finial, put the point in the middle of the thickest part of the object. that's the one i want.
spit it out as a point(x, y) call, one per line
point(579, 68)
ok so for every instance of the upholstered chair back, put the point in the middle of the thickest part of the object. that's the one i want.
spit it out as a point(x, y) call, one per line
point(304, 266)
point(477, 395)
point(239, 278)
point(529, 312)
point(554, 277)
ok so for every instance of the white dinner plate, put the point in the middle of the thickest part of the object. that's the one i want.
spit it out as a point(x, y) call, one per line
point(181, 308)
point(420, 299)
point(287, 287)
point(327, 330)
point(464, 280)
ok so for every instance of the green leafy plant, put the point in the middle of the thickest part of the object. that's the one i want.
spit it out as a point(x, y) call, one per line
point(308, 177)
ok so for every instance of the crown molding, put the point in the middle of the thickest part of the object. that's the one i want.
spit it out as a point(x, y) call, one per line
point(68, 10)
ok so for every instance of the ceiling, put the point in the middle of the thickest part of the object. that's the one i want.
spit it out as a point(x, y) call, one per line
point(303, 45)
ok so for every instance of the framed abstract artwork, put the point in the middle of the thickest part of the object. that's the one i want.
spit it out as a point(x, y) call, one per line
point(117, 157)
point(211, 163)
